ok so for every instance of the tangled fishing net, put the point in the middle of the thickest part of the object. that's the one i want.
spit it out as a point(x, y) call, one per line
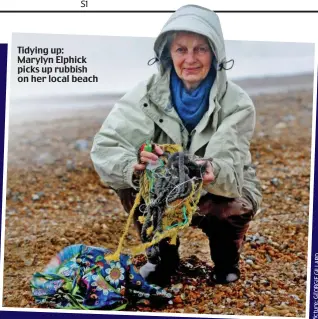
point(168, 196)
point(84, 277)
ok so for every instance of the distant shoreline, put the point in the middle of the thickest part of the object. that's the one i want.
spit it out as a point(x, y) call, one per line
point(276, 84)
point(248, 83)
point(57, 107)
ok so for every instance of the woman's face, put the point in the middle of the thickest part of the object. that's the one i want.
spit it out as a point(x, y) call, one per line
point(192, 57)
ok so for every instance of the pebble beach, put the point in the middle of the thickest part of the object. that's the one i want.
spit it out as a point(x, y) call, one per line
point(55, 199)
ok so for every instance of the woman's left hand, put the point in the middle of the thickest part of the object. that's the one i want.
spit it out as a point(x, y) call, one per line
point(208, 177)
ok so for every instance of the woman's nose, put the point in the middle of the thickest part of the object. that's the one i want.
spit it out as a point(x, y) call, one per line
point(190, 57)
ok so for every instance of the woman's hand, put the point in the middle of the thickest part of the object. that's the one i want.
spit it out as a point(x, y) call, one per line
point(148, 157)
point(208, 177)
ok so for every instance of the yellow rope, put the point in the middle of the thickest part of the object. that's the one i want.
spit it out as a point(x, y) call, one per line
point(190, 204)
point(172, 233)
point(116, 255)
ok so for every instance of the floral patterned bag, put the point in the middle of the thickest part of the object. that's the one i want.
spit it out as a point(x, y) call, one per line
point(79, 277)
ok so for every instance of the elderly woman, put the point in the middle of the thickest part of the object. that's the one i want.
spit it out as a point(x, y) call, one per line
point(192, 103)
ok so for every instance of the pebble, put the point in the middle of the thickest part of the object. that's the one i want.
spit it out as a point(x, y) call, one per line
point(11, 212)
point(96, 228)
point(72, 240)
point(261, 134)
point(14, 233)
point(194, 310)
point(269, 309)
point(177, 300)
point(295, 297)
point(276, 245)
point(105, 228)
point(289, 118)
point(250, 257)
point(29, 261)
point(275, 181)
point(8, 195)
point(45, 159)
point(268, 258)
point(177, 287)
point(103, 237)
point(16, 197)
point(257, 267)
point(217, 311)
point(70, 166)
point(59, 172)
point(37, 196)
point(261, 240)
point(101, 199)
point(249, 261)
point(81, 145)
point(281, 125)
point(23, 303)
point(64, 241)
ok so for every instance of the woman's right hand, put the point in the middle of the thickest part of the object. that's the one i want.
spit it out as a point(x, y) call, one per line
point(148, 157)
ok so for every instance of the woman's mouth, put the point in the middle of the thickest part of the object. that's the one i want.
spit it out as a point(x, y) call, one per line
point(191, 70)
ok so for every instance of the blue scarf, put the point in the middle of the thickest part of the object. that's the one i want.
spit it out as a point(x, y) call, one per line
point(191, 106)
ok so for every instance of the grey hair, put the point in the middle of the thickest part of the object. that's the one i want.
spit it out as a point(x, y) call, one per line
point(165, 56)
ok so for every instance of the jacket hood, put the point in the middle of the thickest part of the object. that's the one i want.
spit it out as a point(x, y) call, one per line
point(196, 19)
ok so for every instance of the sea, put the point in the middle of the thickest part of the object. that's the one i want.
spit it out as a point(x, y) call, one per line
point(119, 63)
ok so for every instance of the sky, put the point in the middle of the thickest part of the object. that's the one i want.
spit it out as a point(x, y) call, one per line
point(121, 62)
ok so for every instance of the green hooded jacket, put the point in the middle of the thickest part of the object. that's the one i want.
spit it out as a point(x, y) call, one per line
point(145, 113)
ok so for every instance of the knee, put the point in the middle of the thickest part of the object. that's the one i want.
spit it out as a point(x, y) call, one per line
point(127, 197)
point(238, 212)
point(239, 206)
point(227, 208)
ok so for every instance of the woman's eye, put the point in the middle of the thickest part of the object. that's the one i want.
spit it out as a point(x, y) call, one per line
point(202, 49)
point(181, 50)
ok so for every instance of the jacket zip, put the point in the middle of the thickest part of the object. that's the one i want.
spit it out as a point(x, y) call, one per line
point(189, 140)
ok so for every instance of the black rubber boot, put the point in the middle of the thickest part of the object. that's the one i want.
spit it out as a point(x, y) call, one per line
point(225, 275)
point(159, 271)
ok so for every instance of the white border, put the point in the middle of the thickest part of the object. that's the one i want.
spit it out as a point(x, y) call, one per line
point(155, 5)
point(282, 27)
point(299, 34)
point(312, 177)
point(131, 313)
